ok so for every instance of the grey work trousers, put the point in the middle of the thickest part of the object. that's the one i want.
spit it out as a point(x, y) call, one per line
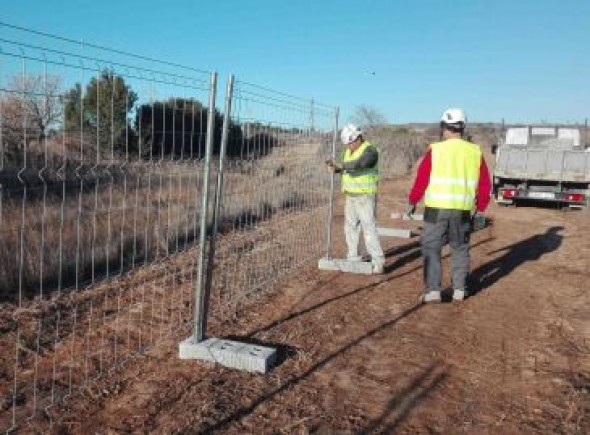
point(454, 227)
point(359, 212)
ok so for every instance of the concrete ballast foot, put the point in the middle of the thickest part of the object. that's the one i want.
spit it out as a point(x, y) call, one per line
point(233, 354)
point(415, 217)
point(363, 267)
point(394, 232)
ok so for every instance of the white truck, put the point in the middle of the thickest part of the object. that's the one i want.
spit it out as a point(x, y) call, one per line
point(543, 163)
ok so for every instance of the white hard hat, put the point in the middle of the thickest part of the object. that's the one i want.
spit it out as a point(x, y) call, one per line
point(454, 116)
point(350, 133)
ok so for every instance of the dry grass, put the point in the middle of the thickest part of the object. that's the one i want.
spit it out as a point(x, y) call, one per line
point(94, 228)
point(86, 222)
point(102, 221)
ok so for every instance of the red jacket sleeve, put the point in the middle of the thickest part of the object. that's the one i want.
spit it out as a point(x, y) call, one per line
point(422, 179)
point(484, 187)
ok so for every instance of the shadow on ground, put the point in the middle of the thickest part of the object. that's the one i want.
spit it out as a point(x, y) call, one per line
point(401, 404)
point(515, 255)
point(247, 410)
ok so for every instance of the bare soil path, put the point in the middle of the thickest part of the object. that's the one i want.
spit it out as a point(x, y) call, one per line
point(360, 355)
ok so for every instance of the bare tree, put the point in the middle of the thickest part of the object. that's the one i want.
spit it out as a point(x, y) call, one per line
point(368, 117)
point(31, 107)
point(10, 121)
point(400, 147)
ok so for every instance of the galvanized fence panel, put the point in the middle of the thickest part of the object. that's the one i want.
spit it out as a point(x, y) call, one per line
point(275, 194)
point(101, 176)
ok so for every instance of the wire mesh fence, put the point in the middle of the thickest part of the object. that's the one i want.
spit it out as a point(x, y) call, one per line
point(101, 174)
point(104, 173)
point(275, 194)
point(108, 231)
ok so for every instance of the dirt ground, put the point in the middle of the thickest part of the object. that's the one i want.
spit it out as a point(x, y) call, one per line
point(359, 354)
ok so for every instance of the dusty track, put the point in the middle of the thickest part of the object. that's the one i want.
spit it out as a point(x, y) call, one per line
point(360, 354)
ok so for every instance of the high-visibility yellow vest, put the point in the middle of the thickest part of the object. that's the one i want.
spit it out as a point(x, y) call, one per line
point(359, 180)
point(454, 175)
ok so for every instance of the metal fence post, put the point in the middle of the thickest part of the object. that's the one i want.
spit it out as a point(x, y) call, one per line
point(312, 116)
point(218, 195)
point(200, 293)
point(332, 184)
point(222, 153)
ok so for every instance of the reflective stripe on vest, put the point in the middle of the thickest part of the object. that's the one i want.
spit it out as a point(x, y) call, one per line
point(454, 175)
point(359, 180)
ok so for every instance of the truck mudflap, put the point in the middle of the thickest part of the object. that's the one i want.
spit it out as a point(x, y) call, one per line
point(508, 195)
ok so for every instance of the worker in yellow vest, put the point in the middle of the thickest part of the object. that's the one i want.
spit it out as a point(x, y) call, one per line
point(454, 180)
point(360, 175)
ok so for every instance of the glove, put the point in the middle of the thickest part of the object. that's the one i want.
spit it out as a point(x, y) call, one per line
point(478, 221)
point(410, 209)
point(333, 166)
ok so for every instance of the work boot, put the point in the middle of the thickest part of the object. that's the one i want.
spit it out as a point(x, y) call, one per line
point(431, 297)
point(459, 295)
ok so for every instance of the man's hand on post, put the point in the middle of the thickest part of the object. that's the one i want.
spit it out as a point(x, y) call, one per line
point(410, 209)
point(335, 167)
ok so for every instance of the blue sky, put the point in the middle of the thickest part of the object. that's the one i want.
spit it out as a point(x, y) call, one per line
point(521, 60)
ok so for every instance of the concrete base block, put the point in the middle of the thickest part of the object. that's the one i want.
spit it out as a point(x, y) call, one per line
point(415, 217)
point(363, 267)
point(394, 232)
point(233, 354)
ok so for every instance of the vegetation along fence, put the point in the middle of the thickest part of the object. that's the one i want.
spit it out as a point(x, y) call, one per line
point(123, 193)
point(133, 210)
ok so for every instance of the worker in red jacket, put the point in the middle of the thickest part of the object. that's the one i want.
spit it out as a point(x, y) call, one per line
point(454, 181)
